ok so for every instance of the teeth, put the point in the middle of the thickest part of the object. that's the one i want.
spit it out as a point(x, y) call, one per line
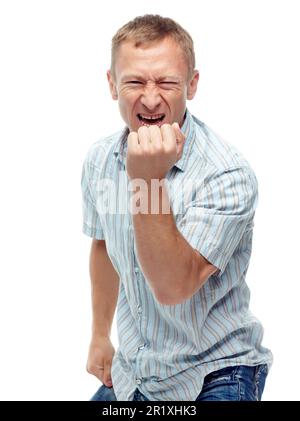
point(151, 117)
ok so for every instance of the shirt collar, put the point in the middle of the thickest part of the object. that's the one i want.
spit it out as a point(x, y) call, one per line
point(188, 130)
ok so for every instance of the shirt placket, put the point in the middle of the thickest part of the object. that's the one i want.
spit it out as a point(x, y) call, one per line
point(140, 320)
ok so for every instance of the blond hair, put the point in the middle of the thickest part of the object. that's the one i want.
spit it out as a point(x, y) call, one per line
point(149, 28)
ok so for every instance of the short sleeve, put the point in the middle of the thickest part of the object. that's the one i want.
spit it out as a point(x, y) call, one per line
point(223, 209)
point(91, 221)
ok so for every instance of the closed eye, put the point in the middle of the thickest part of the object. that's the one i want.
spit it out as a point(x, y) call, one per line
point(167, 85)
point(136, 82)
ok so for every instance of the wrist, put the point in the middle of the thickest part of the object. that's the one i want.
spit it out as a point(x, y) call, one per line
point(100, 332)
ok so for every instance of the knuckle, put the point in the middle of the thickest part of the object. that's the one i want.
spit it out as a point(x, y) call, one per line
point(154, 128)
point(157, 149)
point(152, 152)
point(144, 151)
point(165, 126)
point(142, 130)
point(132, 135)
point(168, 150)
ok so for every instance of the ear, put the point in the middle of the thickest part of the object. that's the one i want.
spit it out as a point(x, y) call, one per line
point(112, 85)
point(192, 85)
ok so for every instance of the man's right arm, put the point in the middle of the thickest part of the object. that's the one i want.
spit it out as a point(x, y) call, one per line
point(105, 288)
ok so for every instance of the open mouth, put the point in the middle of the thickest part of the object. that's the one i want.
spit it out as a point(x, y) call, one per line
point(148, 120)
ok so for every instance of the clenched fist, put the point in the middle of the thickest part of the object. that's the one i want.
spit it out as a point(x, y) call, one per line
point(100, 357)
point(152, 151)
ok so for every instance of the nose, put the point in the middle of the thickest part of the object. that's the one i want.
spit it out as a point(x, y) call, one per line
point(151, 98)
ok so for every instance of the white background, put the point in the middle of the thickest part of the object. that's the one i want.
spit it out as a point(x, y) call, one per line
point(55, 102)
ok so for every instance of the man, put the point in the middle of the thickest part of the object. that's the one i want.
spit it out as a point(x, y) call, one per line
point(174, 262)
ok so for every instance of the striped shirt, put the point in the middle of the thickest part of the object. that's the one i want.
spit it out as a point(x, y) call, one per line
point(166, 350)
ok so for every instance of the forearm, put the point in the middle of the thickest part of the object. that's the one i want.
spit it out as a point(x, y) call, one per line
point(167, 260)
point(104, 289)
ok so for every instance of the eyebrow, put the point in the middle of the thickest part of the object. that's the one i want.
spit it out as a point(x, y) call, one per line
point(160, 79)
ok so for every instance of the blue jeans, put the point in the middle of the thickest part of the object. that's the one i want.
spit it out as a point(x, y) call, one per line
point(238, 383)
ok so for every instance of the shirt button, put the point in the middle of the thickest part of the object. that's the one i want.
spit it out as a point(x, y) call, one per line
point(138, 381)
point(139, 309)
point(142, 346)
point(136, 269)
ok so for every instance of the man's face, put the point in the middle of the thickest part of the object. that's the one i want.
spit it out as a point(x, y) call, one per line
point(151, 83)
